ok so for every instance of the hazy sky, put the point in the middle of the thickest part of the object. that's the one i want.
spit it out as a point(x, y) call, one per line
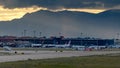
point(11, 9)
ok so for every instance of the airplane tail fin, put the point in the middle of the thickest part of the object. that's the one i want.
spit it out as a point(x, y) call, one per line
point(69, 43)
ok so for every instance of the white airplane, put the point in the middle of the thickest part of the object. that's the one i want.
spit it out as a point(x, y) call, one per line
point(115, 46)
point(9, 50)
point(36, 45)
point(97, 47)
point(49, 46)
point(77, 47)
point(58, 45)
point(6, 48)
point(63, 45)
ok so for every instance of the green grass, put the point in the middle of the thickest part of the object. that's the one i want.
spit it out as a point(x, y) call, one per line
point(73, 62)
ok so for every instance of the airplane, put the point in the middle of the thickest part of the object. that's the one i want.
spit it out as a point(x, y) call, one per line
point(63, 45)
point(49, 46)
point(9, 50)
point(36, 45)
point(58, 45)
point(97, 47)
point(77, 47)
point(6, 48)
point(115, 46)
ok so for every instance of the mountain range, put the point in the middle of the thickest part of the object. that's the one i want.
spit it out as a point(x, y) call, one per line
point(66, 23)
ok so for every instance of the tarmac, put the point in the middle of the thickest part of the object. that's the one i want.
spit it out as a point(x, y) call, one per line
point(26, 55)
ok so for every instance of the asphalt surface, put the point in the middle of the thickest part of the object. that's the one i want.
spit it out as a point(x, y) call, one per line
point(49, 54)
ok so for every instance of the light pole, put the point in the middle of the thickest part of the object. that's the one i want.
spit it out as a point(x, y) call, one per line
point(97, 44)
point(40, 34)
point(81, 38)
point(118, 34)
point(34, 33)
point(25, 32)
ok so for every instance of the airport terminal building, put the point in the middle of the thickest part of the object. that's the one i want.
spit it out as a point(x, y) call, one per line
point(27, 41)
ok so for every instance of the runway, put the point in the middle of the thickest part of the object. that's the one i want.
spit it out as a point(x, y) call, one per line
point(49, 54)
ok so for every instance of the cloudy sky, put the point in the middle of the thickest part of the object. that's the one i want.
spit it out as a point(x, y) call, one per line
point(11, 9)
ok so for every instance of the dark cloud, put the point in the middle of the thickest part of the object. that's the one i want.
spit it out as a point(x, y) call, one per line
point(53, 4)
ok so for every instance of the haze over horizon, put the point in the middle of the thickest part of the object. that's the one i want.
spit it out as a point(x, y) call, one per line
point(93, 18)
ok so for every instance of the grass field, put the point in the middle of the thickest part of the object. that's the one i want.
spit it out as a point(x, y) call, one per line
point(72, 62)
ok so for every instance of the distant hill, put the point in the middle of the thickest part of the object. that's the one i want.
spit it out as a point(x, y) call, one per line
point(69, 23)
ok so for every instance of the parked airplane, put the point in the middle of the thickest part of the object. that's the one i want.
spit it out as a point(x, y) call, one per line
point(36, 45)
point(49, 46)
point(6, 48)
point(115, 46)
point(58, 45)
point(9, 49)
point(80, 48)
point(97, 47)
point(63, 45)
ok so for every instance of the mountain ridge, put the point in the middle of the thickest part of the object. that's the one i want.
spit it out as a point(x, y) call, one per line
point(69, 23)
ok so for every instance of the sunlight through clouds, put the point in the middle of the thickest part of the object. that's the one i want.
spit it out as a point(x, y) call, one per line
point(94, 11)
point(16, 13)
